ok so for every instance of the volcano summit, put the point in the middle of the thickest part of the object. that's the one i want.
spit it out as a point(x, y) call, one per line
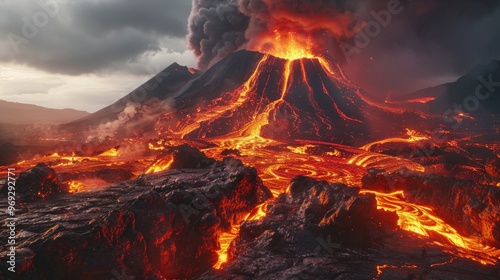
point(254, 94)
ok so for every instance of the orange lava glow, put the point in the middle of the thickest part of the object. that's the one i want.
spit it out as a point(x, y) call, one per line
point(110, 153)
point(381, 268)
point(422, 100)
point(225, 240)
point(280, 161)
point(287, 45)
point(75, 186)
point(422, 220)
point(160, 165)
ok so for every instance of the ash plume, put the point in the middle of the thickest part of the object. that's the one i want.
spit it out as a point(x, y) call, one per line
point(313, 24)
point(420, 47)
point(217, 28)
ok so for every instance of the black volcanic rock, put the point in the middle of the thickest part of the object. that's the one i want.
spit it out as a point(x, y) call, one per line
point(38, 182)
point(301, 99)
point(333, 213)
point(472, 208)
point(335, 210)
point(186, 156)
point(493, 167)
point(330, 231)
point(160, 225)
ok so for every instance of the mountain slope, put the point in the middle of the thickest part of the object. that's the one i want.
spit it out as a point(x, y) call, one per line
point(160, 87)
point(442, 98)
point(250, 94)
point(19, 114)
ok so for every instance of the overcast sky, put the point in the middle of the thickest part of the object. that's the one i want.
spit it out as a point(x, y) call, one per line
point(85, 54)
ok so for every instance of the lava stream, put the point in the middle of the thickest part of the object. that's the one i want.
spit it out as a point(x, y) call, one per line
point(422, 220)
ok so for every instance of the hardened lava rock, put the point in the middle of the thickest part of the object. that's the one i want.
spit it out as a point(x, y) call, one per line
point(315, 219)
point(38, 182)
point(161, 226)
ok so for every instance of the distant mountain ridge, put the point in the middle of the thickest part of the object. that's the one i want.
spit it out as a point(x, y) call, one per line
point(443, 97)
point(22, 114)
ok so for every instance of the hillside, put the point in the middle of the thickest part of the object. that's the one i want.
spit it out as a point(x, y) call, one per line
point(20, 114)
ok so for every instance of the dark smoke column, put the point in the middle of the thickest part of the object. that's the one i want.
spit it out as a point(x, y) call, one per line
point(216, 28)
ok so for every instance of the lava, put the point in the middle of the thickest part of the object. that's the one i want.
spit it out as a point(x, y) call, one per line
point(75, 186)
point(330, 108)
point(160, 165)
point(225, 240)
point(421, 220)
point(287, 45)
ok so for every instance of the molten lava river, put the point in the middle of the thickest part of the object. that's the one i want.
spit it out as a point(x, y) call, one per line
point(277, 161)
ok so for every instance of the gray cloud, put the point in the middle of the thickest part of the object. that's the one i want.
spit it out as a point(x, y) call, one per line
point(216, 28)
point(90, 36)
point(163, 17)
point(429, 43)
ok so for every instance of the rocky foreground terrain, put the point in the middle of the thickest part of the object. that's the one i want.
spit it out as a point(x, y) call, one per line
point(167, 225)
point(162, 225)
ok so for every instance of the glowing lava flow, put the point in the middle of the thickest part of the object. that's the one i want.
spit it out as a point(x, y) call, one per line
point(421, 220)
point(160, 165)
point(75, 186)
point(413, 136)
point(238, 99)
point(278, 166)
point(226, 238)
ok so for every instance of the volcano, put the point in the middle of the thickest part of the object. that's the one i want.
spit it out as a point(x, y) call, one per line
point(265, 168)
point(253, 94)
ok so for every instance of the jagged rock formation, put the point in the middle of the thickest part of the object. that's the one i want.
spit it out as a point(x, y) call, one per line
point(160, 225)
point(330, 231)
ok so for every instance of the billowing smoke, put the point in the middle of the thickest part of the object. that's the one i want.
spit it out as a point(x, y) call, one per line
point(109, 129)
point(217, 28)
point(311, 25)
point(422, 45)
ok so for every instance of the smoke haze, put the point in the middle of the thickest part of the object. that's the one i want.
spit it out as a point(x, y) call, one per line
point(430, 42)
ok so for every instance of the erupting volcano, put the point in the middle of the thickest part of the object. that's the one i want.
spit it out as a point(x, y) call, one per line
point(270, 164)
